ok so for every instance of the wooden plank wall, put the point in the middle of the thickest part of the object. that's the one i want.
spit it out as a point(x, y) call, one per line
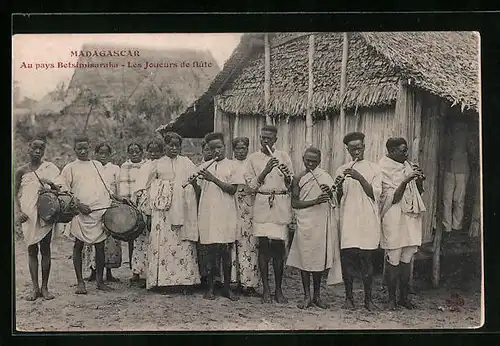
point(377, 123)
point(429, 160)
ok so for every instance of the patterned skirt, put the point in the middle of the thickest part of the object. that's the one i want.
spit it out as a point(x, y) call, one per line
point(112, 254)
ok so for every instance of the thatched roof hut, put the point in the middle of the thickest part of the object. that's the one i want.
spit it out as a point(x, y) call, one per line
point(199, 115)
point(383, 84)
point(445, 64)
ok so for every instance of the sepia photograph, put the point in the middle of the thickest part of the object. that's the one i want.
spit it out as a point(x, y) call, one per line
point(286, 181)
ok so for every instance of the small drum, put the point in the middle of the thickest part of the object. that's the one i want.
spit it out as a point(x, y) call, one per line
point(56, 207)
point(123, 222)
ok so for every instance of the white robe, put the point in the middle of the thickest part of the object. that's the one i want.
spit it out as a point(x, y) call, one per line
point(312, 245)
point(35, 229)
point(172, 173)
point(112, 176)
point(217, 215)
point(401, 222)
point(82, 179)
point(112, 247)
point(271, 222)
point(359, 214)
point(171, 259)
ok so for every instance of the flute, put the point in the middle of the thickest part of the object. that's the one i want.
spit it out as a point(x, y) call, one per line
point(105, 208)
point(195, 176)
point(317, 181)
point(343, 175)
point(414, 166)
point(280, 164)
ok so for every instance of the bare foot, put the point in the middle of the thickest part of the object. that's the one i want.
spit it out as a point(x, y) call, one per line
point(250, 292)
point(46, 294)
point(34, 294)
point(187, 291)
point(407, 304)
point(230, 295)
point(391, 305)
point(80, 289)
point(280, 298)
point(266, 297)
point(209, 295)
point(370, 306)
point(320, 304)
point(348, 304)
point(305, 303)
point(103, 287)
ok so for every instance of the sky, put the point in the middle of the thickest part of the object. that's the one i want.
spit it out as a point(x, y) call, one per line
point(51, 48)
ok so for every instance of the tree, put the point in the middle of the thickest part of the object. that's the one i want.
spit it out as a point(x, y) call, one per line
point(59, 93)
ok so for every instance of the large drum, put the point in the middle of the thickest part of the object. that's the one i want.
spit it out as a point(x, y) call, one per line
point(123, 222)
point(56, 207)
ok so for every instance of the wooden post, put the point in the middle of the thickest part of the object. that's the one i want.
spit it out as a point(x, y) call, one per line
point(328, 124)
point(436, 255)
point(309, 119)
point(217, 115)
point(343, 84)
point(415, 155)
point(267, 78)
point(236, 124)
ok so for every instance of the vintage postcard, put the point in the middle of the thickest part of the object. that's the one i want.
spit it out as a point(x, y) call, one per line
point(247, 181)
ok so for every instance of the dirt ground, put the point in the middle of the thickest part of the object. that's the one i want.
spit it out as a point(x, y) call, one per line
point(134, 309)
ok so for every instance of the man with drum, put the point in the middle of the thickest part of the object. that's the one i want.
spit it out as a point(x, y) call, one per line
point(30, 178)
point(84, 178)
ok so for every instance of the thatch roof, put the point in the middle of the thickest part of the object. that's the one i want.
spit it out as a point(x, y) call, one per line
point(203, 106)
point(443, 63)
point(126, 82)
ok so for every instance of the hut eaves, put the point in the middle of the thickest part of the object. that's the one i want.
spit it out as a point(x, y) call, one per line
point(445, 64)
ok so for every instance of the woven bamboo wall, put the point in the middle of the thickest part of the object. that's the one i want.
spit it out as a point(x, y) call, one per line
point(416, 117)
point(429, 159)
point(326, 136)
point(378, 124)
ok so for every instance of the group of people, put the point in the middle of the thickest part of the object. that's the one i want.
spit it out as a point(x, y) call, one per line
point(227, 218)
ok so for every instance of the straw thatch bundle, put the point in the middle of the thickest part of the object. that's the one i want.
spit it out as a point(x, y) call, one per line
point(188, 127)
point(445, 64)
point(442, 63)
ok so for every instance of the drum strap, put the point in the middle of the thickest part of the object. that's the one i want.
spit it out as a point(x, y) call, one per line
point(40, 180)
point(102, 180)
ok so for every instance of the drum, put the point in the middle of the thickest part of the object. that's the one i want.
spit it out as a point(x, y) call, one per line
point(68, 207)
point(56, 207)
point(123, 222)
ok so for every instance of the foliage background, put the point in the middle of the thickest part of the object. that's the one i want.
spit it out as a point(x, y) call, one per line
point(126, 121)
